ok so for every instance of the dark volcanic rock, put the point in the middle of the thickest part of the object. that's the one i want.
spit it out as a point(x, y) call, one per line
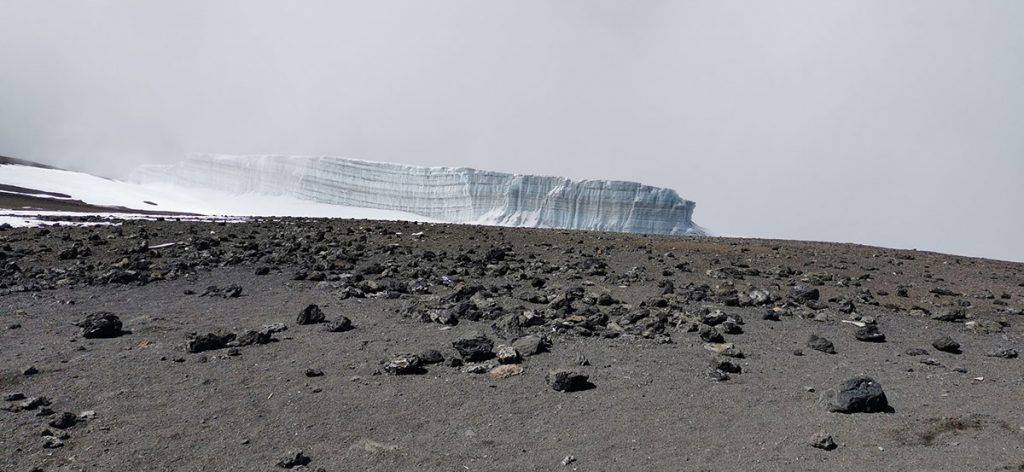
point(860, 395)
point(823, 441)
point(819, 343)
point(474, 347)
point(718, 375)
point(208, 342)
point(64, 420)
point(100, 325)
point(710, 334)
point(293, 459)
point(231, 291)
point(530, 345)
point(1003, 352)
point(339, 325)
point(310, 315)
point(250, 337)
point(869, 333)
point(946, 344)
point(431, 356)
point(952, 314)
point(567, 380)
point(726, 366)
point(801, 293)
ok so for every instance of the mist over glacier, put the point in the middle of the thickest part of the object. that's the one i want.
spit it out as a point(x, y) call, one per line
point(868, 121)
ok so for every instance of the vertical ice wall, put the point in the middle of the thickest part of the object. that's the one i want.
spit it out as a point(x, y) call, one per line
point(457, 195)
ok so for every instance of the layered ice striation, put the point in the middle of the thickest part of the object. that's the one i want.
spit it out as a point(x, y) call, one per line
point(456, 195)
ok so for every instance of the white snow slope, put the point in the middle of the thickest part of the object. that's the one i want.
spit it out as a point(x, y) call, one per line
point(455, 195)
point(172, 198)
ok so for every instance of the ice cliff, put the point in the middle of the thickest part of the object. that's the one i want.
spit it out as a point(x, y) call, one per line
point(456, 195)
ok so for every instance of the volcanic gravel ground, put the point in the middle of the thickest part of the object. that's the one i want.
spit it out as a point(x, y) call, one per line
point(627, 381)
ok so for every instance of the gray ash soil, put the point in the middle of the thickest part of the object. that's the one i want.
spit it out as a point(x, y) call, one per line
point(635, 307)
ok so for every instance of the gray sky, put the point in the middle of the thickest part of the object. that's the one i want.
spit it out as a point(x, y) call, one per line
point(894, 123)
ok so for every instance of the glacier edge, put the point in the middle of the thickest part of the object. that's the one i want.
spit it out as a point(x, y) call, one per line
point(449, 194)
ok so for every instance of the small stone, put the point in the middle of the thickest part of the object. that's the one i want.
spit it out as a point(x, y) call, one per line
point(725, 349)
point(293, 459)
point(404, 364)
point(821, 344)
point(715, 318)
point(568, 460)
point(100, 325)
point(453, 362)
point(50, 442)
point(798, 352)
point(1003, 353)
point(823, 440)
point(860, 395)
point(338, 325)
point(870, 334)
point(801, 293)
point(718, 375)
point(310, 315)
point(274, 328)
point(507, 354)
point(13, 397)
point(505, 371)
point(481, 368)
point(474, 347)
point(207, 342)
point(314, 373)
point(952, 314)
point(710, 334)
point(64, 420)
point(946, 344)
point(726, 366)
point(984, 326)
point(916, 351)
point(250, 337)
point(567, 380)
point(582, 360)
point(431, 356)
point(529, 345)
point(30, 370)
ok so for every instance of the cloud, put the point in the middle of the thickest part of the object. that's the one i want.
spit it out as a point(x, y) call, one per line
point(875, 122)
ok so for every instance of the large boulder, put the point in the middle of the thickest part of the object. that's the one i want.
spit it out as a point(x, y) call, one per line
point(860, 395)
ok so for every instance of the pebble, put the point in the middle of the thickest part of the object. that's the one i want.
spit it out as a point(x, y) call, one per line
point(823, 440)
point(565, 380)
point(821, 344)
point(946, 344)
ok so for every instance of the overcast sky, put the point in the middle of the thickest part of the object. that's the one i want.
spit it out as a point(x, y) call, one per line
point(893, 123)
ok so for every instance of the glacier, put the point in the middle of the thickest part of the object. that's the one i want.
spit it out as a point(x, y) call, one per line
point(445, 194)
